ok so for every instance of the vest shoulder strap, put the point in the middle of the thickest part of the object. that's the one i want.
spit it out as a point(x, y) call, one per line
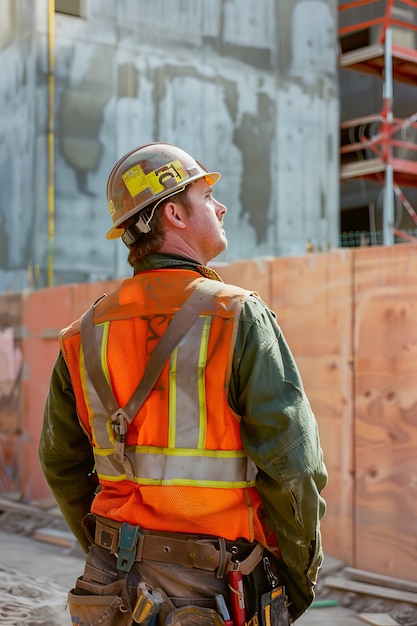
point(201, 295)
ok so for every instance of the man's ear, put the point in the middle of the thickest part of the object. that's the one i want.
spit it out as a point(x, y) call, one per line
point(174, 214)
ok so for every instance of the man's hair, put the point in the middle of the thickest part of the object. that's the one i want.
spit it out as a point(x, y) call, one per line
point(149, 243)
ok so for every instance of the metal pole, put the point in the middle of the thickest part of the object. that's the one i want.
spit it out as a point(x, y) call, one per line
point(388, 207)
point(51, 139)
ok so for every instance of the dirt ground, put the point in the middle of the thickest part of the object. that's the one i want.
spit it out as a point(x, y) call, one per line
point(34, 581)
point(35, 578)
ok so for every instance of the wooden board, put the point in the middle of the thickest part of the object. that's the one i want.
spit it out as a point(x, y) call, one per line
point(313, 301)
point(378, 619)
point(339, 582)
point(385, 345)
point(56, 537)
point(379, 579)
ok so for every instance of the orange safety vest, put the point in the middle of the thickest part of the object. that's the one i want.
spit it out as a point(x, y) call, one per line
point(191, 474)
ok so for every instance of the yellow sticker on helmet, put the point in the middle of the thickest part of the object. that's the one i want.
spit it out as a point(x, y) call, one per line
point(112, 210)
point(167, 176)
point(135, 180)
point(162, 179)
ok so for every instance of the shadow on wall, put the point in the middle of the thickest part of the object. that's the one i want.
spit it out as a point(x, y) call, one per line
point(254, 138)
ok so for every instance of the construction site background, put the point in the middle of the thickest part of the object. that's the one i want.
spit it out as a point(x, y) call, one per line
point(79, 88)
point(250, 89)
point(348, 316)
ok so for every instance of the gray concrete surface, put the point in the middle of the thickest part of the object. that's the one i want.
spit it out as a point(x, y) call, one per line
point(25, 561)
point(249, 88)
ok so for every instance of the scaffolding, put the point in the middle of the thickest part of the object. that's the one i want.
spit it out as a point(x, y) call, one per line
point(381, 147)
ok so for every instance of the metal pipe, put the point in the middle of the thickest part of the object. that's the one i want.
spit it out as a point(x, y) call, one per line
point(388, 208)
point(51, 141)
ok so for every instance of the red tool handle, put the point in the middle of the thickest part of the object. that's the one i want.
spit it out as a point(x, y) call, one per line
point(237, 599)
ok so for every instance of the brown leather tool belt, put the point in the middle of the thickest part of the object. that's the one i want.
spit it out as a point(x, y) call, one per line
point(202, 552)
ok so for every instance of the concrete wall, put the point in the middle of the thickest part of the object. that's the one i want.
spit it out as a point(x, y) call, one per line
point(22, 147)
point(248, 88)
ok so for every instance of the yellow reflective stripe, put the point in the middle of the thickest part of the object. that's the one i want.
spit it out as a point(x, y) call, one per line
point(202, 360)
point(103, 352)
point(162, 466)
point(172, 402)
point(85, 384)
point(102, 337)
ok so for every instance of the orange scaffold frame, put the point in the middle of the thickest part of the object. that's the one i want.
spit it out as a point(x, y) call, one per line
point(377, 139)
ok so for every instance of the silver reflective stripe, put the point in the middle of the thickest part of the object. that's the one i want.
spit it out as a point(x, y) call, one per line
point(160, 466)
point(100, 422)
point(187, 397)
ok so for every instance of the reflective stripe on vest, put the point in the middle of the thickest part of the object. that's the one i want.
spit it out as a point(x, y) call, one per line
point(184, 461)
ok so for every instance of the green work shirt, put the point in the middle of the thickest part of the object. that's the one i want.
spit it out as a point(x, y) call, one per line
point(278, 429)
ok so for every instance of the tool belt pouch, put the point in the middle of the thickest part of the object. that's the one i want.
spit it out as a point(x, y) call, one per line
point(274, 610)
point(264, 605)
point(105, 605)
point(194, 616)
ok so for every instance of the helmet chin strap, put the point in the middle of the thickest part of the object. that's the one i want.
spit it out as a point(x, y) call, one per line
point(132, 234)
point(142, 226)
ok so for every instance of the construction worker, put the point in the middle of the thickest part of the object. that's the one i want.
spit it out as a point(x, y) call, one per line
point(177, 438)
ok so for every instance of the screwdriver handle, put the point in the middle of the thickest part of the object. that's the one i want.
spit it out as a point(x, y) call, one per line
point(237, 598)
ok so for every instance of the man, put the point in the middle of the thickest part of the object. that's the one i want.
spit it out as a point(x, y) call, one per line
point(210, 472)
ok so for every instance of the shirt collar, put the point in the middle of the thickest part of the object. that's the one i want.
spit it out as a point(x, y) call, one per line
point(165, 261)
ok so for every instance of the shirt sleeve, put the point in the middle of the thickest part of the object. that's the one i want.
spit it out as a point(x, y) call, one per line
point(65, 453)
point(280, 434)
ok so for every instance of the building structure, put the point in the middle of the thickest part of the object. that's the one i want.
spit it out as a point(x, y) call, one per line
point(248, 88)
point(378, 87)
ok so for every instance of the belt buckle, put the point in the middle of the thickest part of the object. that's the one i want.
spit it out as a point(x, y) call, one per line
point(128, 538)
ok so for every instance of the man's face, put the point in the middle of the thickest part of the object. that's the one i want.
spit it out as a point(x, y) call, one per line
point(205, 222)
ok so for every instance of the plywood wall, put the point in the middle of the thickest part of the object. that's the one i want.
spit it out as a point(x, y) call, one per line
point(349, 317)
point(312, 297)
point(385, 345)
